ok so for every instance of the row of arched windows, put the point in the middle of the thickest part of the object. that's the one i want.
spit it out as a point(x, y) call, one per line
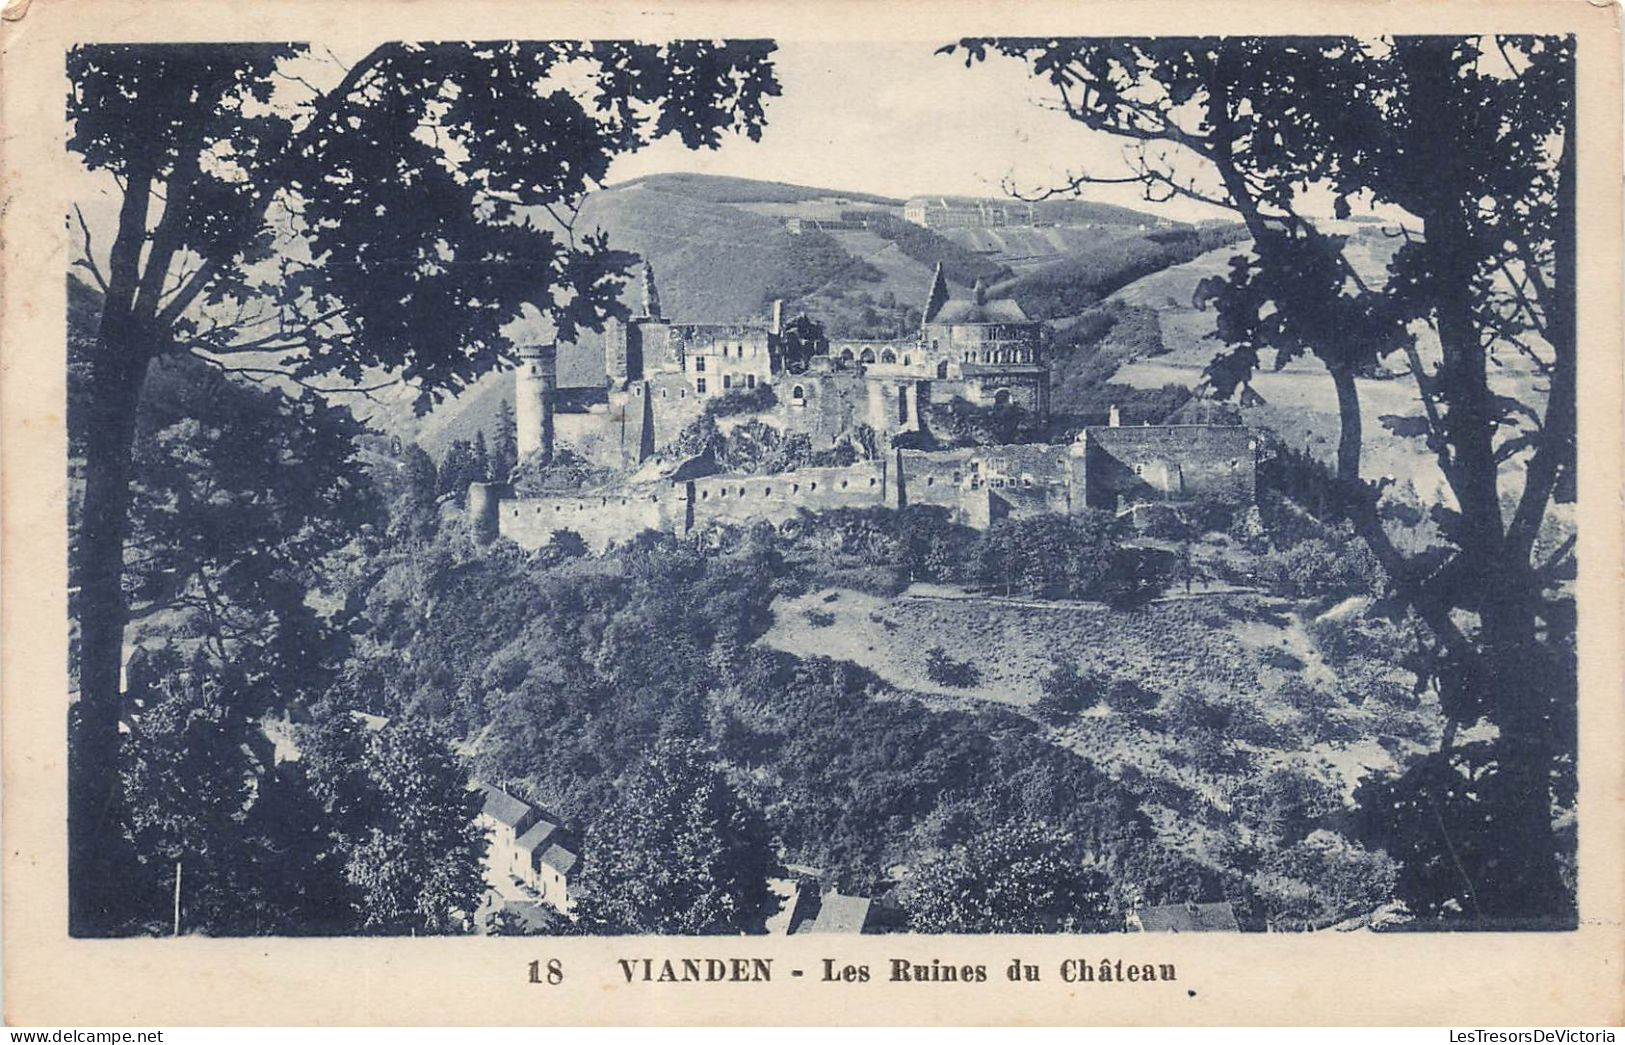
point(999, 355)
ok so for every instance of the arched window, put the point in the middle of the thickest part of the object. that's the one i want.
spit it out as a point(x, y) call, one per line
point(868, 356)
point(798, 394)
point(846, 355)
point(907, 361)
point(1001, 397)
point(942, 370)
point(888, 356)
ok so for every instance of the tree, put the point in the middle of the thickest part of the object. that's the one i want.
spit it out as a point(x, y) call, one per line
point(1068, 691)
point(1469, 142)
point(481, 465)
point(187, 780)
point(414, 514)
point(504, 445)
point(411, 848)
point(424, 167)
point(458, 468)
point(240, 498)
point(677, 853)
point(1015, 878)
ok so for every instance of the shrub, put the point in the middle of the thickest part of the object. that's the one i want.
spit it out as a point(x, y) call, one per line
point(1315, 568)
point(1128, 697)
point(1068, 691)
point(946, 671)
point(1321, 880)
point(818, 618)
point(742, 401)
point(1341, 640)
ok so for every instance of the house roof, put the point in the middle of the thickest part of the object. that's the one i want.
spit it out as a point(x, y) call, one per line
point(996, 310)
point(504, 808)
point(841, 914)
point(536, 835)
point(1189, 918)
point(559, 858)
point(792, 895)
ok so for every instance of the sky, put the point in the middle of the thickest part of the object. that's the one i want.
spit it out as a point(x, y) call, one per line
point(898, 120)
point(889, 118)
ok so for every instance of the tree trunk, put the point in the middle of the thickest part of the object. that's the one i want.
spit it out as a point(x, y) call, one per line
point(109, 428)
point(1348, 421)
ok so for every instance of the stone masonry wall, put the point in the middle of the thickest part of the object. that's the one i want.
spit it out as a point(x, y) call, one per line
point(775, 498)
point(1213, 463)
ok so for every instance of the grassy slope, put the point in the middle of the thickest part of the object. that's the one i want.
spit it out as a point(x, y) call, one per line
point(1239, 649)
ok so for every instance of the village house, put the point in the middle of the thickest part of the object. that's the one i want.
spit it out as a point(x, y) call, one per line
point(1185, 918)
point(528, 847)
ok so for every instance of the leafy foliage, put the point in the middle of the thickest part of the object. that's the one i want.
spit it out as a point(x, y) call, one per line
point(946, 670)
point(678, 853)
point(1015, 878)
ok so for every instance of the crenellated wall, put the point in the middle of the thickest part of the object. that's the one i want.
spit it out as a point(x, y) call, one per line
point(1105, 468)
point(775, 498)
point(600, 519)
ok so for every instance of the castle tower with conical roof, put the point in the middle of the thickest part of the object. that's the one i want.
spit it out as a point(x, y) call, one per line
point(937, 297)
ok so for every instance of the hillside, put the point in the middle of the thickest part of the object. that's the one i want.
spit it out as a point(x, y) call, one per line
point(716, 188)
point(721, 251)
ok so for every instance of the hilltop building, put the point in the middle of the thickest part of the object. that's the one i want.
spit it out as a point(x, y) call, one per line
point(965, 212)
point(660, 374)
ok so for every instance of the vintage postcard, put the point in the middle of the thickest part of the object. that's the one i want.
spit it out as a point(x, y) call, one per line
point(827, 513)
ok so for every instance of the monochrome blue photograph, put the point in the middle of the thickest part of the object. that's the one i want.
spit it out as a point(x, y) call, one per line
point(1085, 485)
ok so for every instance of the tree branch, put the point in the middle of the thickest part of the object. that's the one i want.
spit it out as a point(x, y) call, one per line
point(89, 260)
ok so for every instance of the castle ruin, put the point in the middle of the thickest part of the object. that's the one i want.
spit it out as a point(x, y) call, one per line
point(660, 374)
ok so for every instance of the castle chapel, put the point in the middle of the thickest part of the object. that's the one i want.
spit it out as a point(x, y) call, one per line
point(660, 373)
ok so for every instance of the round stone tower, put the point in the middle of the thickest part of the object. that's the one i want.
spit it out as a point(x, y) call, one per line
point(533, 400)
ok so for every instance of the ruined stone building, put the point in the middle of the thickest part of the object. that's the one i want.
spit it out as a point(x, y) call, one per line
point(661, 373)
